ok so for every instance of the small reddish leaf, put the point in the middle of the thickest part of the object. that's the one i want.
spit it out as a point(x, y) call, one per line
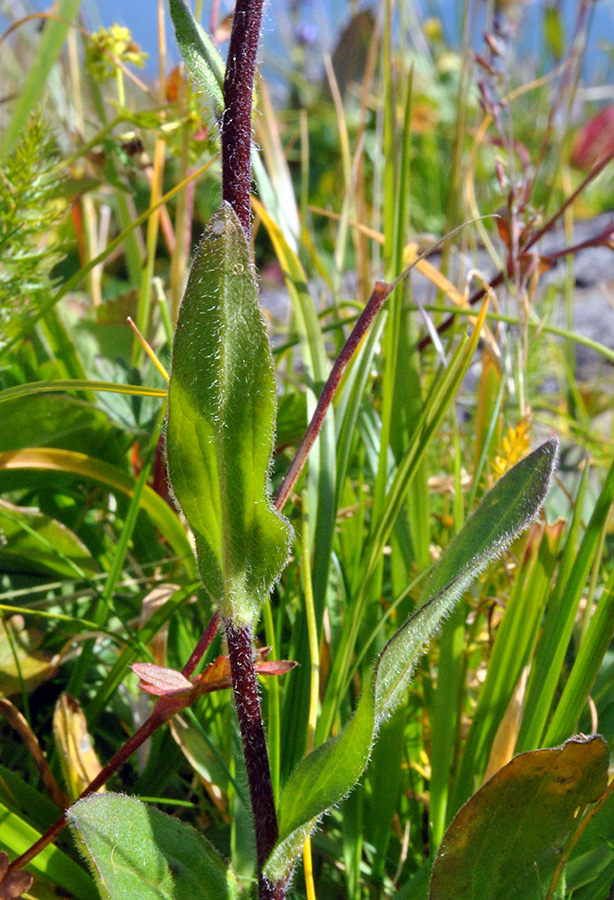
point(160, 681)
point(275, 667)
point(217, 670)
point(216, 676)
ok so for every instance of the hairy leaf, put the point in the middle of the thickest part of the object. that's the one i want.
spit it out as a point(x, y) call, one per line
point(325, 776)
point(506, 511)
point(201, 56)
point(318, 782)
point(139, 853)
point(221, 416)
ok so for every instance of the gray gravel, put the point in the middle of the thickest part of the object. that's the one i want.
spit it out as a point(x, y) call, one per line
point(594, 288)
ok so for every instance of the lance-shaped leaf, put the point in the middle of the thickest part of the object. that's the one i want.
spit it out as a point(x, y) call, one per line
point(203, 61)
point(324, 777)
point(221, 417)
point(506, 511)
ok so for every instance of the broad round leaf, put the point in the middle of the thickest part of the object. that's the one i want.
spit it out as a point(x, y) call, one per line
point(505, 842)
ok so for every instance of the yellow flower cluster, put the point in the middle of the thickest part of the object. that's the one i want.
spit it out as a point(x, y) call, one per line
point(514, 446)
point(108, 46)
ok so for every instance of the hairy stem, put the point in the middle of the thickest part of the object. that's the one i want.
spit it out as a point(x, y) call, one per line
point(236, 130)
point(247, 701)
point(236, 134)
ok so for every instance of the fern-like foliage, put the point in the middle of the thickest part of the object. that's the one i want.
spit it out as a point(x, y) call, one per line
point(30, 212)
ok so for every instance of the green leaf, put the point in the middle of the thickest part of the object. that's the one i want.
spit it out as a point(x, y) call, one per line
point(221, 416)
point(33, 420)
point(325, 776)
point(204, 63)
point(318, 782)
point(507, 840)
point(51, 864)
point(33, 543)
point(139, 853)
point(506, 511)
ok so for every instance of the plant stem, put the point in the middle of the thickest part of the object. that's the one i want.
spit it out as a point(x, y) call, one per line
point(236, 134)
point(381, 292)
point(236, 128)
point(247, 701)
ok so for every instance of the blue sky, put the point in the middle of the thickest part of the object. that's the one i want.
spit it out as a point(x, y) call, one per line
point(327, 16)
point(141, 17)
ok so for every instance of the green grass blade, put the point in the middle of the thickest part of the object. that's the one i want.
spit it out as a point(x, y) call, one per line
point(445, 714)
point(321, 477)
point(434, 411)
point(585, 668)
point(75, 384)
point(559, 624)
point(51, 864)
point(49, 49)
point(53, 460)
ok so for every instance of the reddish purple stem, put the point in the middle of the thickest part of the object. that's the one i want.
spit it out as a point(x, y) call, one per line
point(200, 649)
point(381, 292)
point(247, 701)
point(236, 129)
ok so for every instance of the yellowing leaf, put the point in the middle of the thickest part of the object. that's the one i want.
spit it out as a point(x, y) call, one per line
point(19, 655)
point(78, 758)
